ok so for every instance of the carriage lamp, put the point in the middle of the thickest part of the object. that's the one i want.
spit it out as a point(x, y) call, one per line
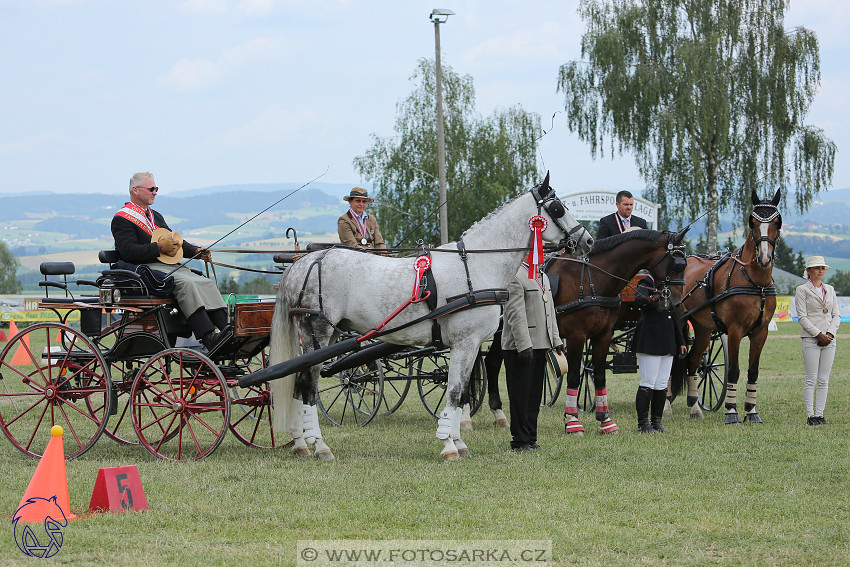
point(108, 294)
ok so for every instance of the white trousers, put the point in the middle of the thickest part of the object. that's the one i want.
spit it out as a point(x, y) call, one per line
point(654, 370)
point(818, 362)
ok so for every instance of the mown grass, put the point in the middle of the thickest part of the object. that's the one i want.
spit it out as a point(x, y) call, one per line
point(706, 494)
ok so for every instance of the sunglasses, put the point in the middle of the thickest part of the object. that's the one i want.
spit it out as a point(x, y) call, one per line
point(151, 189)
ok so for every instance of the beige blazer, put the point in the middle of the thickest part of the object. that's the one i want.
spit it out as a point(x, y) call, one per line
point(528, 320)
point(349, 232)
point(809, 303)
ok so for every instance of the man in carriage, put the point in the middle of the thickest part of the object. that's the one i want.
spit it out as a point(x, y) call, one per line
point(142, 237)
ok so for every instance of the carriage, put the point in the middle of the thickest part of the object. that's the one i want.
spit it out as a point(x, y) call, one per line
point(128, 371)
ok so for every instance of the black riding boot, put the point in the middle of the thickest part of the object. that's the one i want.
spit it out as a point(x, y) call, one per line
point(658, 399)
point(642, 400)
point(218, 317)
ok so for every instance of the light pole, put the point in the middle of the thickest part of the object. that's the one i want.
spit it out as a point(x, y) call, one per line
point(436, 15)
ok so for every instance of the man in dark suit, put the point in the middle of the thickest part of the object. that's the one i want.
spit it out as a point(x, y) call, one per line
point(622, 220)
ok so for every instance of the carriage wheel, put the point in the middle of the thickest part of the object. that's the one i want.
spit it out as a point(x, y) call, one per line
point(551, 387)
point(711, 385)
point(251, 408)
point(120, 425)
point(179, 405)
point(433, 376)
point(586, 389)
point(352, 396)
point(397, 371)
point(46, 383)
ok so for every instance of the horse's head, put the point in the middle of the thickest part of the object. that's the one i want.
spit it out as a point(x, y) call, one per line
point(669, 269)
point(765, 224)
point(562, 226)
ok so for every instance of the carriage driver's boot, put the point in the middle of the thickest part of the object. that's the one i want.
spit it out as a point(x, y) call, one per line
point(657, 412)
point(203, 328)
point(642, 401)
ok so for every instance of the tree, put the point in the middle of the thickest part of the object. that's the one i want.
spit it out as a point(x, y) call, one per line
point(487, 160)
point(710, 96)
point(9, 283)
point(788, 260)
point(840, 280)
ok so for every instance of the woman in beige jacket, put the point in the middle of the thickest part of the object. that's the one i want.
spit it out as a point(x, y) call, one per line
point(817, 312)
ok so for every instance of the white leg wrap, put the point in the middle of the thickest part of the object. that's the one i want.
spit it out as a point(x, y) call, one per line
point(456, 423)
point(310, 422)
point(444, 425)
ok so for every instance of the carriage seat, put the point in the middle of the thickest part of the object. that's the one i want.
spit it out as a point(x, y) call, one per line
point(313, 246)
point(63, 269)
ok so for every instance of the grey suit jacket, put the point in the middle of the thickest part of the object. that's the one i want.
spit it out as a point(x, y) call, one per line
point(529, 317)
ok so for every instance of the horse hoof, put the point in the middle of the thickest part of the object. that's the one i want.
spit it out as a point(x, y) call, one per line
point(608, 427)
point(574, 427)
point(301, 451)
point(752, 418)
point(696, 413)
point(324, 455)
point(501, 423)
point(464, 453)
point(668, 410)
point(450, 456)
point(732, 419)
point(466, 426)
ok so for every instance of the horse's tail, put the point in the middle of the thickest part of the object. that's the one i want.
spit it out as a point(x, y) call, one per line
point(677, 375)
point(283, 346)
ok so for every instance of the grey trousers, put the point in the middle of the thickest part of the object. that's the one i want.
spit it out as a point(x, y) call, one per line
point(191, 290)
point(818, 362)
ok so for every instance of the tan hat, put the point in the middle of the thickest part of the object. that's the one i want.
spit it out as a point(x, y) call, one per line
point(815, 261)
point(164, 258)
point(359, 193)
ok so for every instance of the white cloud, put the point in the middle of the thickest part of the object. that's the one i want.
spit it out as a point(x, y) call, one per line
point(204, 6)
point(201, 72)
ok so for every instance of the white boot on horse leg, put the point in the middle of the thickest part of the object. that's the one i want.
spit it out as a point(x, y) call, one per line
point(572, 426)
point(444, 434)
point(500, 420)
point(693, 398)
point(313, 434)
point(732, 417)
point(752, 416)
point(466, 418)
point(462, 449)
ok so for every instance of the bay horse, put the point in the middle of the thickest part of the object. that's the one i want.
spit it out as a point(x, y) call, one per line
point(588, 306)
point(359, 290)
point(733, 295)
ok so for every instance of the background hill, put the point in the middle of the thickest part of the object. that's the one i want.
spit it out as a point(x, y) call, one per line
point(47, 226)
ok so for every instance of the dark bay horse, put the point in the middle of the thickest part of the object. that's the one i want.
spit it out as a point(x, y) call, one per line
point(733, 295)
point(588, 304)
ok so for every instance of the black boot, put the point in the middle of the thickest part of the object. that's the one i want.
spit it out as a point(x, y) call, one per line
point(642, 400)
point(658, 399)
point(218, 318)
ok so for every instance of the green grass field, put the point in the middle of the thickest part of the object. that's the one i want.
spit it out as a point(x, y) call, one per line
point(705, 494)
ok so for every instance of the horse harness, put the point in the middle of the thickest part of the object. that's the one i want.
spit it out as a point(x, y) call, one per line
point(677, 265)
point(426, 290)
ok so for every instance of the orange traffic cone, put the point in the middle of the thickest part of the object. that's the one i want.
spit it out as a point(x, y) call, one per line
point(22, 356)
point(3, 337)
point(49, 485)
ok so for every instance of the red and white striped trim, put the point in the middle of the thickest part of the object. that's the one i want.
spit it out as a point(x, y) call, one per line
point(608, 426)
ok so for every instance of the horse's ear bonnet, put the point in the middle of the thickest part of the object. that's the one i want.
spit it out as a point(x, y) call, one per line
point(765, 211)
point(545, 196)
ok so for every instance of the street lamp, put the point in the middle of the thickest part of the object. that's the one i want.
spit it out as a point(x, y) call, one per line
point(439, 16)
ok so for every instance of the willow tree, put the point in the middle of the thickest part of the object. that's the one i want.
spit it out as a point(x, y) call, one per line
point(8, 271)
point(709, 95)
point(487, 159)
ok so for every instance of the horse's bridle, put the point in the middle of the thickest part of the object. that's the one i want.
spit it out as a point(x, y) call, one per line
point(556, 209)
point(678, 264)
point(772, 213)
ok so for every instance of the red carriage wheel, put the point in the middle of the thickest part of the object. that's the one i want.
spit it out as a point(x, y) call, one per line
point(46, 382)
point(179, 405)
point(251, 408)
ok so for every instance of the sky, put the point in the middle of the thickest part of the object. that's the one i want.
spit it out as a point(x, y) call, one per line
point(217, 92)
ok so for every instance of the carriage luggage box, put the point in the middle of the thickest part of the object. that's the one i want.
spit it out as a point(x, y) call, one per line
point(253, 318)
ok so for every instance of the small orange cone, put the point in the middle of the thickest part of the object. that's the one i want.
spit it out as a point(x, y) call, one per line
point(3, 337)
point(21, 356)
point(58, 338)
point(49, 484)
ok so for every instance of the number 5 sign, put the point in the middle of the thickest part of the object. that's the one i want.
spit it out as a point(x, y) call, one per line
point(117, 489)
